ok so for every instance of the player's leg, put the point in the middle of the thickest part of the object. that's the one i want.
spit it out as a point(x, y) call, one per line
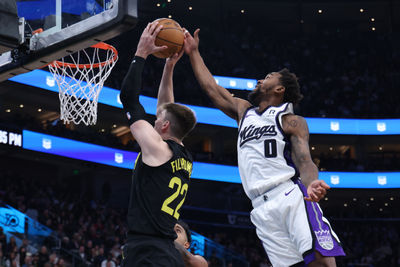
point(306, 224)
point(271, 230)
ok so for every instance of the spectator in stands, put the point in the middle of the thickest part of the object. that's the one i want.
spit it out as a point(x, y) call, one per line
point(99, 258)
point(27, 260)
point(12, 245)
point(12, 260)
point(3, 240)
point(108, 262)
point(43, 256)
point(2, 258)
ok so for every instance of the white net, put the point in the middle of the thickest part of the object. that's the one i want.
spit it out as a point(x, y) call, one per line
point(80, 78)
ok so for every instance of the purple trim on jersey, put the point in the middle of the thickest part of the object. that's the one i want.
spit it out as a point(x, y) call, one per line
point(287, 151)
point(243, 117)
point(262, 112)
point(324, 242)
point(277, 120)
point(309, 258)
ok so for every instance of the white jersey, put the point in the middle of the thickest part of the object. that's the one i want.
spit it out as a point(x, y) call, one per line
point(263, 150)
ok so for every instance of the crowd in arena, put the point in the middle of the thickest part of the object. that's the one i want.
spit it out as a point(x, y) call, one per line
point(91, 232)
point(334, 161)
point(342, 74)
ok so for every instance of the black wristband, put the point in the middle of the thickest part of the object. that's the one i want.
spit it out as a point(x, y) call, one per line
point(139, 61)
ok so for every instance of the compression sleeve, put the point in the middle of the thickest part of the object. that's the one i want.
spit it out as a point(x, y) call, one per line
point(130, 90)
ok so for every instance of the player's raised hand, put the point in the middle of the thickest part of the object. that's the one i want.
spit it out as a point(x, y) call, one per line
point(175, 58)
point(316, 190)
point(191, 43)
point(146, 45)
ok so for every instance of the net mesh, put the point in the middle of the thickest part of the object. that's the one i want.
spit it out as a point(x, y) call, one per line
point(80, 78)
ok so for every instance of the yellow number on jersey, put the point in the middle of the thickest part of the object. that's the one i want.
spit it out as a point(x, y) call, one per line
point(165, 207)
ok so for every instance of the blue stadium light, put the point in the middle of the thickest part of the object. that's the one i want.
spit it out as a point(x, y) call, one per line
point(236, 83)
point(110, 96)
point(205, 171)
point(361, 179)
point(78, 150)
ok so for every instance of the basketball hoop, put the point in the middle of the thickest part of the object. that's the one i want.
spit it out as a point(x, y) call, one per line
point(80, 78)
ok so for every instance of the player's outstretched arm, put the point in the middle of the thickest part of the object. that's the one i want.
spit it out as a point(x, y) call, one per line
point(166, 89)
point(232, 106)
point(154, 150)
point(297, 128)
point(190, 259)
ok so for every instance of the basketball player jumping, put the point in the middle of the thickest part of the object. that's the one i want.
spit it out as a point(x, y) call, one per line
point(273, 154)
point(162, 170)
point(182, 243)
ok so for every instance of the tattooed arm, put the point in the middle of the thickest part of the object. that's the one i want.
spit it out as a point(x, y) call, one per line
point(297, 128)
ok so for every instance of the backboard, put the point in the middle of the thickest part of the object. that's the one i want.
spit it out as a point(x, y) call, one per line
point(52, 29)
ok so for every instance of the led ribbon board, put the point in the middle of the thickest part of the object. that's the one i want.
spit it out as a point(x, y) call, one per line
point(206, 171)
point(109, 96)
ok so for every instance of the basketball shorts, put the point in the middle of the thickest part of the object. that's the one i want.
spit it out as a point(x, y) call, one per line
point(146, 251)
point(292, 229)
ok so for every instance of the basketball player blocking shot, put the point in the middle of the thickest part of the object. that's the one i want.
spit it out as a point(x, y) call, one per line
point(160, 179)
point(275, 166)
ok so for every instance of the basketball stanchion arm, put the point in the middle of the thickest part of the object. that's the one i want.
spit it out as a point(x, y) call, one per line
point(130, 90)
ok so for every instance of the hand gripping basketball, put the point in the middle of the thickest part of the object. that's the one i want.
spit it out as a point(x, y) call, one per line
point(146, 45)
point(171, 35)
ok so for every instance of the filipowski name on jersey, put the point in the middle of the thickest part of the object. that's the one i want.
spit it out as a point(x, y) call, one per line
point(252, 132)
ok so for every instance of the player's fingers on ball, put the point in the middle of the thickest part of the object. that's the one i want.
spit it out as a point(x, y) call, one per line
point(187, 34)
point(157, 30)
point(160, 48)
point(153, 26)
point(148, 26)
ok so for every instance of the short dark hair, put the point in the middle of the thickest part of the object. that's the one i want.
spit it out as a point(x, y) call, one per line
point(187, 230)
point(289, 80)
point(181, 117)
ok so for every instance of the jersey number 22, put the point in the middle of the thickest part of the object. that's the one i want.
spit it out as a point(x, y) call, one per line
point(180, 190)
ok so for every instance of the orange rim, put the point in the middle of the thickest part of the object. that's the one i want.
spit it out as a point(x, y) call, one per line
point(100, 45)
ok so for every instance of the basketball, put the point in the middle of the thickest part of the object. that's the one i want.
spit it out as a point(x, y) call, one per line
point(171, 35)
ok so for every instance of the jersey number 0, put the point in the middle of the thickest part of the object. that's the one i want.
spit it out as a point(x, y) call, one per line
point(180, 190)
point(270, 148)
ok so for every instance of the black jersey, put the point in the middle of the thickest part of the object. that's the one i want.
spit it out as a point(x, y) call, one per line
point(158, 193)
